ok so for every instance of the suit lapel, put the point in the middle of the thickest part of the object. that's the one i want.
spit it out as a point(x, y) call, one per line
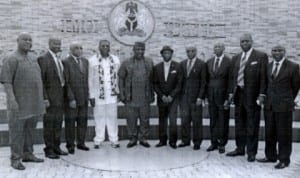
point(270, 67)
point(281, 70)
point(170, 70)
point(162, 71)
point(75, 64)
point(185, 68)
point(251, 58)
point(221, 66)
point(195, 63)
point(52, 62)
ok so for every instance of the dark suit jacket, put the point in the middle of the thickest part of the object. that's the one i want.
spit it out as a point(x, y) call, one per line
point(76, 80)
point(283, 90)
point(219, 81)
point(170, 87)
point(194, 84)
point(255, 75)
point(53, 91)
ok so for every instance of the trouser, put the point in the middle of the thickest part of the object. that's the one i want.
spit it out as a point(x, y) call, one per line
point(21, 135)
point(52, 124)
point(246, 124)
point(106, 115)
point(278, 129)
point(219, 124)
point(190, 112)
point(165, 112)
point(79, 115)
point(133, 113)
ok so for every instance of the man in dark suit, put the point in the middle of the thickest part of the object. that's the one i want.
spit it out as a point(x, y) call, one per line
point(192, 95)
point(53, 83)
point(76, 75)
point(219, 68)
point(283, 86)
point(167, 78)
point(249, 88)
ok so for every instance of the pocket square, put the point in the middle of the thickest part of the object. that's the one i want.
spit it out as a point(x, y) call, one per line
point(173, 72)
point(253, 63)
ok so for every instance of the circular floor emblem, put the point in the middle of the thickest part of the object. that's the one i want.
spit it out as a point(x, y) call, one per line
point(131, 21)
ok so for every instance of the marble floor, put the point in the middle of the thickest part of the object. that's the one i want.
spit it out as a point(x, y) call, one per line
point(149, 162)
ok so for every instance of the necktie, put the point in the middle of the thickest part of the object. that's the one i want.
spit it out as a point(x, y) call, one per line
point(274, 73)
point(240, 80)
point(189, 67)
point(216, 66)
point(60, 70)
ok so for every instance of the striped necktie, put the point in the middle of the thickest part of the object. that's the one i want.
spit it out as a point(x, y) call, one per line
point(240, 80)
point(60, 70)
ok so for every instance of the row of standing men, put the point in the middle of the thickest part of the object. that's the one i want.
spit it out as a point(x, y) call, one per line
point(53, 88)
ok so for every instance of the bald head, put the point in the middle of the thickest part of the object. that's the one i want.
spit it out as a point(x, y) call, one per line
point(24, 41)
point(219, 49)
point(278, 52)
point(191, 52)
point(246, 42)
point(76, 49)
point(55, 44)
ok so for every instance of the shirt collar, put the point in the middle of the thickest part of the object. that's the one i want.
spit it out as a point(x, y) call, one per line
point(167, 63)
point(248, 53)
point(221, 57)
point(52, 53)
point(75, 58)
point(280, 62)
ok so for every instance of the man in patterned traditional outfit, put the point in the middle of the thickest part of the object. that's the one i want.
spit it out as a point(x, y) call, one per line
point(103, 91)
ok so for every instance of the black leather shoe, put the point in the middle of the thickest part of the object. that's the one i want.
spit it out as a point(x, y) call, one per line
point(60, 152)
point(281, 165)
point(132, 143)
point(196, 147)
point(51, 155)
point(235, 153)
point(83, 147)
point(160, 144)
point(32, 158)
point(17, 165)
point(221, 149)
point(266, 160)
point(145, 144)
point(211, 148)
point(96, 146)
point(184, 144)
point(251, 158)
point(173, 145)
point(71, 150)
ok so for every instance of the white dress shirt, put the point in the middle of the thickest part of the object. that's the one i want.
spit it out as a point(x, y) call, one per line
point(166, 69)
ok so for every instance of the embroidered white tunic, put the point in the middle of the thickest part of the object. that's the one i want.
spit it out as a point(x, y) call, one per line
point(94, 76)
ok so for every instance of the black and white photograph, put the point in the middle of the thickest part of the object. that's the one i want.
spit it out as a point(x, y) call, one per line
point(141, 88)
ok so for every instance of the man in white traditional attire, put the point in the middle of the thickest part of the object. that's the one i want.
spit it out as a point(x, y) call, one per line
point(103, 91)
